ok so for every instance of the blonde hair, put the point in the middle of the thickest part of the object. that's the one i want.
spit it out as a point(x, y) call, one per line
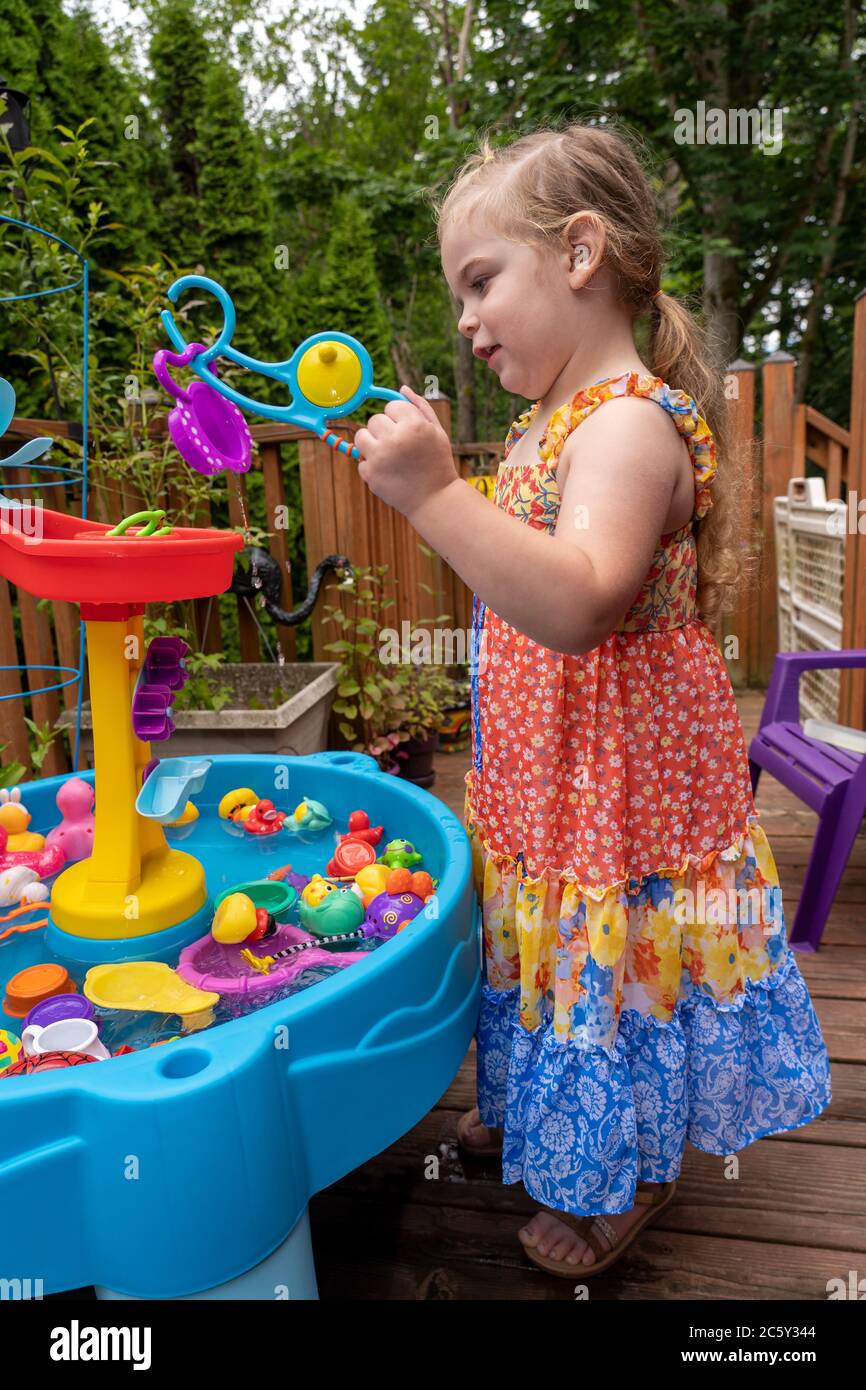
point(529, 190)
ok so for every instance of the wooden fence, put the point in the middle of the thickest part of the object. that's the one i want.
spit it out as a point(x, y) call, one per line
point(341, 515)
point(791, 435)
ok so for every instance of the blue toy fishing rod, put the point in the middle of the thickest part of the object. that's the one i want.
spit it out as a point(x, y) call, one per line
point(327, 377)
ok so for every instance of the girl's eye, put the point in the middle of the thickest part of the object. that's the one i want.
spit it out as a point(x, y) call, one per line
point(482, 280)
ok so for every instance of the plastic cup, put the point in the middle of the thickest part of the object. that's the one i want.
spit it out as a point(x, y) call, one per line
point(66, 1035)
point(60, 1006)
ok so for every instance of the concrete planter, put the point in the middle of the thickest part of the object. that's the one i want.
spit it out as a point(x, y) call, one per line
point(297, 727)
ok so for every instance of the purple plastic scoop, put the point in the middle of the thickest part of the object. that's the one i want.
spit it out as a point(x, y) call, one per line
point(208, 431)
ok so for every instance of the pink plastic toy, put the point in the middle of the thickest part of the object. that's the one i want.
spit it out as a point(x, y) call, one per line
point(74, 834)
point(46, 861)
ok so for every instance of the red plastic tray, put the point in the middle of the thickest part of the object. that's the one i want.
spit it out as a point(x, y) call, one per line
point(76, 561)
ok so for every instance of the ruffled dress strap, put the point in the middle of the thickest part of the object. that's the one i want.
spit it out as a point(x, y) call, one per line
point(681, 407)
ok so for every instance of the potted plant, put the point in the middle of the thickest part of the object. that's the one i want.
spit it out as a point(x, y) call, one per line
point(427, 692)
point(370, 705)
point(257, 707)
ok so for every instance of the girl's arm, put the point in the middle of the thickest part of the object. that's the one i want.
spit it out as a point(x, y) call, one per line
point(542, 587)
point(566, 591)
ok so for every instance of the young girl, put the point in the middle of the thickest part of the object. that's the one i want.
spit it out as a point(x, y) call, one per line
point(639, 987)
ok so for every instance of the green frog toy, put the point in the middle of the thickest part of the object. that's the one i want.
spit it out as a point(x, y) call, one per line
point(400, 854)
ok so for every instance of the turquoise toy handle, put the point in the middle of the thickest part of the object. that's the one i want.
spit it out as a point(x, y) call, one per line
point(301, 411)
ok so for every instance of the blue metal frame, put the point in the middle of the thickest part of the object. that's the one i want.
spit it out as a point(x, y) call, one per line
point(71, 475)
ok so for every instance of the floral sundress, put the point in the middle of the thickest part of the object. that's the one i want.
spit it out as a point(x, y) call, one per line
point(639, 989)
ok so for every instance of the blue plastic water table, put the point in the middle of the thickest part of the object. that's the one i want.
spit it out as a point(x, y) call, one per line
point(185, 1171)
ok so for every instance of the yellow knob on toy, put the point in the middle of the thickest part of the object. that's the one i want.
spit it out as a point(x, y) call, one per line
point(329, 374)
point(234, 919)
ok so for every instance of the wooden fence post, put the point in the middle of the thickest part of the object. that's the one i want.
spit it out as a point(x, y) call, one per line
point(238, 514)
point(320, 527)
point(275, 506)
point(852, 685)
point(13, 730)
point(777, 381)
point(743, 623)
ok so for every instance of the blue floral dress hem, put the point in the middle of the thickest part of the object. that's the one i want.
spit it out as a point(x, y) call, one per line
point(582, 1126)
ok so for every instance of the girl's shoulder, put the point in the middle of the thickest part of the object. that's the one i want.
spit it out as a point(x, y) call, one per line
point(678, 404)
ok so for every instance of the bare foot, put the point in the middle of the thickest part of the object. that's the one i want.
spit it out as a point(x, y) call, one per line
point(552, 1238)
point(475, 1134)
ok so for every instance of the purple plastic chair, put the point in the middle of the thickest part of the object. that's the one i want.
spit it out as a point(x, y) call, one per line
point(830, 780)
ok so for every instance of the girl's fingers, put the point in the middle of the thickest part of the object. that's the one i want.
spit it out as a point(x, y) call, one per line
point(422, 403)
point(377, 425)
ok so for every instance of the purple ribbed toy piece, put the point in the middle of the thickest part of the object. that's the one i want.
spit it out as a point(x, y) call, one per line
point(162, 676)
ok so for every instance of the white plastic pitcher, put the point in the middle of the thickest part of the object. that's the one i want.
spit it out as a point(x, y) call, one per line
point(65, 1035)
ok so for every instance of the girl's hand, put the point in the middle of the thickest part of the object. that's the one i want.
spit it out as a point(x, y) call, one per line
point(406, 454)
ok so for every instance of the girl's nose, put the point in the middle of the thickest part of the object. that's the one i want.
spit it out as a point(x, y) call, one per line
point(467, 323)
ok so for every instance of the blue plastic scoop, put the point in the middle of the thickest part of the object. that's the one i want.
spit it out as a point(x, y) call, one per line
point(169, 787)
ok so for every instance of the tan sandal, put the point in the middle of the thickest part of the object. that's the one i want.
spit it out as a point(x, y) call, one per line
point(653, 1196)
point(491, 1149)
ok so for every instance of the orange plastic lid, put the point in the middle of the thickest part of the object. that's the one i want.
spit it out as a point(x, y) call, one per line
point(29, 987)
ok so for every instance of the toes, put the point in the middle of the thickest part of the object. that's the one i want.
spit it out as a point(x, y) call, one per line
point(569, 1247)
point(537, 1232)
point(552, 1238)
point(474, 1132)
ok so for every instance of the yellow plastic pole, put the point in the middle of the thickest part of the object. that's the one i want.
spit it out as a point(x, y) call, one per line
point(132, 884)
point(115, 865)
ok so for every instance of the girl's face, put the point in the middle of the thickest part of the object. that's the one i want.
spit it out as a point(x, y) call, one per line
point(516, 305)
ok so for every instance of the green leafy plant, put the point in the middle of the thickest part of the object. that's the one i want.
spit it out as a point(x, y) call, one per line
point(10, 773)
point(369, 702)
point(203, 689)
point(427, 691)
point(132, 458)
point(41, 739)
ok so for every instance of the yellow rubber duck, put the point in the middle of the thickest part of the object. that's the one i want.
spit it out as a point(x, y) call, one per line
point(234, 919)
point(15, 818)
point(317, 890)
point(236, 805)
point(187, 816)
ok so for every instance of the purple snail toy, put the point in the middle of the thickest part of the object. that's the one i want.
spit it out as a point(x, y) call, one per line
point(388, 912)
point(208, 431)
